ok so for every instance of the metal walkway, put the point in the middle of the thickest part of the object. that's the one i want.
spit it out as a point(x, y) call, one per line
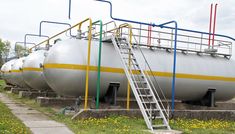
point(147, 101)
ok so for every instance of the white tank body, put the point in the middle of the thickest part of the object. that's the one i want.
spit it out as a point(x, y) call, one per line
point(6, 71)
point(33, 71)
point(65, 69)
point(16, 73)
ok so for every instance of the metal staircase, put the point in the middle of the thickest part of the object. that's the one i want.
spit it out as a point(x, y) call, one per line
point(151, 107)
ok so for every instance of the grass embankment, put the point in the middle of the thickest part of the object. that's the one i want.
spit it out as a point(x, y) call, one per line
point(126, 125)
point(9, 124)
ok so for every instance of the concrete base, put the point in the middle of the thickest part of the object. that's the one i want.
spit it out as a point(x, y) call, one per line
point(63, 101)
point(35, 94)
point(121, 104)
point(49, 101)
point(8, 88)
point(16, 90)
point(206, 114)
point(191, 114)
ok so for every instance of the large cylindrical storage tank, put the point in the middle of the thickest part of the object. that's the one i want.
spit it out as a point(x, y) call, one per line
point(6, 71)
point(16, 73)
point(33, 70)
point(65, 69)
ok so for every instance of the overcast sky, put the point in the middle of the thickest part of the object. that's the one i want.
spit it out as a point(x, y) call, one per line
point(18, 17)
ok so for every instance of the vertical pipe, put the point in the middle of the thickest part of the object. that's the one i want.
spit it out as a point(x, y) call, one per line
point(174, 65)
point(201, 43)
point(139, 34)
point(174, 71)
point(128, 86)
point(213, 35)
point(209, 40)
point(88, 59)
point(128, 95)
point(150, 35)
point(99, 65)
point(70, 1)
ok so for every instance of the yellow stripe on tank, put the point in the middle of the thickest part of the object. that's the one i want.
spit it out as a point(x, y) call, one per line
point(155, 73)
point(16, 71)
point(32, 69)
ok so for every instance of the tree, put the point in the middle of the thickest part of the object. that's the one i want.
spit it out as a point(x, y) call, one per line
point(5, 47)
point(20, 51)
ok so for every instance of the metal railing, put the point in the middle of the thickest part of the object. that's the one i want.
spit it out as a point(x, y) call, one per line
point(188, 42)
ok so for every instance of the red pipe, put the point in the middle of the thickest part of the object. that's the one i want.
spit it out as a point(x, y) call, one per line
point(150, 34)
point(209, 41)
point(213, 36)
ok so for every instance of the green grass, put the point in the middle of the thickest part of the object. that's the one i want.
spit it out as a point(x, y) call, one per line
point(127, 125)
point(112, 124)
point(2, 85)
point(9, 124)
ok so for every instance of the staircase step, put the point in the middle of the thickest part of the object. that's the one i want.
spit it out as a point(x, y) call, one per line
point(156, 117)
point(140, 81)
point(152, 110)
point(127, 58)
point(145, 95)
point(149, 102)
point(132, 64)
point(124, 47)
point(142, 88)
point(159, 126)
point(127, 53)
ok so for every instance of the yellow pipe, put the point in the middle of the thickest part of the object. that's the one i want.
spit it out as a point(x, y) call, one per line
point(47, 40)
point(129, 61)
point(88, 59)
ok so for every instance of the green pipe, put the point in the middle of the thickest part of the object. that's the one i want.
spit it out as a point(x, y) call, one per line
point(99, 64)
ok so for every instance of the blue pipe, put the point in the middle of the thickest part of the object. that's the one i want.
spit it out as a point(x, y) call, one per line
point(154, 25)
point(70, 9)
point(175, 41)
point(174, 65)
point(35, 35)
point(53, 22)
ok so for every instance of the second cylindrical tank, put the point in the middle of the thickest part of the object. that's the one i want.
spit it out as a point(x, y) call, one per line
point(33, 70)
point(16, 73)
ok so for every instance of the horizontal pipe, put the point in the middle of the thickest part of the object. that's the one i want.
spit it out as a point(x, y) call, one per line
point(53, 22)
point(78, 24)
point(35, 35)
point(143, 23)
